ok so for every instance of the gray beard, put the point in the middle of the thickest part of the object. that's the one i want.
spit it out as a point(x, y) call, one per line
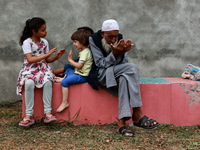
point(107, 46)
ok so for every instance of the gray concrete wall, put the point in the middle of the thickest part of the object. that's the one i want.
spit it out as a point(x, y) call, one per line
point(165, 32)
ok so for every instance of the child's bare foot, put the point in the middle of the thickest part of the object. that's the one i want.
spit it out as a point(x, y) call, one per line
point(62, 107)
point(58, 79)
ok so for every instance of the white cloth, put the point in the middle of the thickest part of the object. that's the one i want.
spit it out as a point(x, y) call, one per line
point(110, 25)
point(39, 72)
point(27, 46)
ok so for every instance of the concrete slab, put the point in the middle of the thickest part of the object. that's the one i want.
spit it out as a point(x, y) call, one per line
point(167, 100)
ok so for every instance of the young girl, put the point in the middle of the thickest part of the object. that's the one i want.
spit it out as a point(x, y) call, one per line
point(82, 67)
point(35, 70)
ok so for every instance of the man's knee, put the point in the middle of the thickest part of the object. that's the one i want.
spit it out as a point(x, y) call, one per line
point(133, 67)
point(122, 79)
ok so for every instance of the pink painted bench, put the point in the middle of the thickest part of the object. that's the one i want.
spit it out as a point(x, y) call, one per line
point(167, 100)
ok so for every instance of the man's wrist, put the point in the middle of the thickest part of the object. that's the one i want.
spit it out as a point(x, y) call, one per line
point(122, 55)
point(115, 53)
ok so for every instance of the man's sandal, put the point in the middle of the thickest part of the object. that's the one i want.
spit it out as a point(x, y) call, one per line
point(146, 123)
point(26, 122)
point(123, 130)
point(49, 118)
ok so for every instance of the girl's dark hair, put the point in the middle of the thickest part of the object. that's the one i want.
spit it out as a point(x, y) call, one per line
point(82, 35)
point(31, 24)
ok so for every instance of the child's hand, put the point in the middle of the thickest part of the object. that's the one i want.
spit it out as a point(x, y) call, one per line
point(70, 55)
point(60, 53)
point(52, 50)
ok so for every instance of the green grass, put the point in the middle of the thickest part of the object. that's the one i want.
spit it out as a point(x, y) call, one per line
point(7, 104)
point(69, 136)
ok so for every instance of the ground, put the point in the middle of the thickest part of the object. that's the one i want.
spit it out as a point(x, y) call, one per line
point(86, 137)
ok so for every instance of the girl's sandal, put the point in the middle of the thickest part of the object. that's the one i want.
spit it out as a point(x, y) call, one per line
point(49, 118)
point(26, 122)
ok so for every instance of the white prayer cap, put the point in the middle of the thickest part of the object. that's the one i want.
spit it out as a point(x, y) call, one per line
point(109, 25)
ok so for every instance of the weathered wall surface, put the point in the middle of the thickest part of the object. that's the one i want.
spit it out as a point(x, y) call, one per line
point(165, 32)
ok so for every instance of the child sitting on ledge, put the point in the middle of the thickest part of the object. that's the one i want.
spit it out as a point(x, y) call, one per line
point(81, 68)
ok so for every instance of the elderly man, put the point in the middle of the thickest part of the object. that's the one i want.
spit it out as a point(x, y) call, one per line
point(109, 51)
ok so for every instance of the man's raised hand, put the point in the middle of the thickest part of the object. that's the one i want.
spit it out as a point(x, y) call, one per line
point(121, 47)
point(128, 45)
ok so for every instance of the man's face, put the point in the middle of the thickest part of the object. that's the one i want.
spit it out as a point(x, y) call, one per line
point(110, 36)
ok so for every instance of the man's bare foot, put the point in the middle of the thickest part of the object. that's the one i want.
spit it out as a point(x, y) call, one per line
point(137, 114)
point(58, 79)
point(62, 107)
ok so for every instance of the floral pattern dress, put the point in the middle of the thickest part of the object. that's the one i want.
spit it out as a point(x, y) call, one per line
point(39, 72)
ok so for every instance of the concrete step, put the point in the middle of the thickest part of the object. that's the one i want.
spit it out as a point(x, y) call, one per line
point(167, 100)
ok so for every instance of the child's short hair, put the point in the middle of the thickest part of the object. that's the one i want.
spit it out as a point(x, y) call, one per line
point(86, 28)
point(82, 35)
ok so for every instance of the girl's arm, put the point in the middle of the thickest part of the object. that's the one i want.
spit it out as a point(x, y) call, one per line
point(32, 59)
point(57, 56)
point(73, 63)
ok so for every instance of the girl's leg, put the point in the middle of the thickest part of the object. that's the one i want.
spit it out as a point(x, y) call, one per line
point(47, 96)
point(59, 71)
point(64, 103)
point(29, 97)
point(29, 102)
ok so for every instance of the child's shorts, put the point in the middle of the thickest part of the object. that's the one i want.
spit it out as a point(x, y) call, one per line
point(72, 78)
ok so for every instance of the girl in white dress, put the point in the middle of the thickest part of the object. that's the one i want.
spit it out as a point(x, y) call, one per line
point(35, 71)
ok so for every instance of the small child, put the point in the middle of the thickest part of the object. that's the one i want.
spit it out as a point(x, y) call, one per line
point(82, 67)
point(35, 70)
point(59, 72)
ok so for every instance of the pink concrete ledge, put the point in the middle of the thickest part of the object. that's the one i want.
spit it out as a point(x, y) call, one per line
point(167, 100)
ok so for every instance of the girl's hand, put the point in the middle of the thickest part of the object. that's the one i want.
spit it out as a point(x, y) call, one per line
point(52, 51)
point(70, 56)
point(57, 56)
point(60, 53)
